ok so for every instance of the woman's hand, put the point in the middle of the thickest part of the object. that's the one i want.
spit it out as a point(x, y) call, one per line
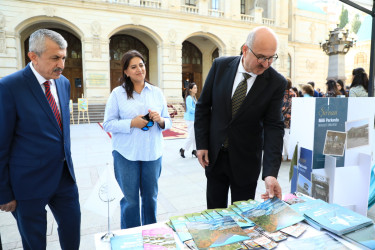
point(155, 116)
point(138, 122)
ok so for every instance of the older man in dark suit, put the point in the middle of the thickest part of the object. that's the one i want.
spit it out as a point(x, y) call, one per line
point(237, 115)
point(36, 167)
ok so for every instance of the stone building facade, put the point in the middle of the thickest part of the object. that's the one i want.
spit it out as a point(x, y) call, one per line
point(179, 38)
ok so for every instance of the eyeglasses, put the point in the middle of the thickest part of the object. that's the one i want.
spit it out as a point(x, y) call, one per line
point(262, 59)
point(149, 124)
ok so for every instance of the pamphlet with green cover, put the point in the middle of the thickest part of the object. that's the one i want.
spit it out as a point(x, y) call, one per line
point(216, 232)
point(246, 205)
point(273, 215)
point(242, 222)
point(179, 224)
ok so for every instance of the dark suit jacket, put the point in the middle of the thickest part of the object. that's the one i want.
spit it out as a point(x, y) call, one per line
point(33, 148)
point(260, 114)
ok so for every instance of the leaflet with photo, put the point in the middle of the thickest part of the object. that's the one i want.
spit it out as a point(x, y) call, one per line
point(273, 215)
point(216, 232)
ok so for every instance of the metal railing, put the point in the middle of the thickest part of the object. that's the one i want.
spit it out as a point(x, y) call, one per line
point(190, 9)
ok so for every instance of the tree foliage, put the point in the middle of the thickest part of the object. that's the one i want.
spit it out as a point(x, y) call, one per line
point(356, 23)
point(344, 17)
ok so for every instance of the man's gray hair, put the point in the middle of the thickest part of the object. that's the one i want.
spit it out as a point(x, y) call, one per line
point(37, 40)
point(251, 37)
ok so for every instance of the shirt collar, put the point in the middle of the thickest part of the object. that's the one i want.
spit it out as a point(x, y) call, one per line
point(147, 85)
point(39, 77)
point(242, 70)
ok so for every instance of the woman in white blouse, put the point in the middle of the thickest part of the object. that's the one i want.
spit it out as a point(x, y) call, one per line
point(136, 114)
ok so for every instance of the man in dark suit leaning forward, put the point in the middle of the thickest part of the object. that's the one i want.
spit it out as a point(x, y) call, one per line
point(237, 115)
point(36, 167)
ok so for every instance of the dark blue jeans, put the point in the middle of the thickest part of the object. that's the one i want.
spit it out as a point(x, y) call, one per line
point(137, 179)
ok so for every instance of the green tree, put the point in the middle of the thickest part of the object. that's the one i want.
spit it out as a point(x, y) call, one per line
point(356, 23)
point(344, 17)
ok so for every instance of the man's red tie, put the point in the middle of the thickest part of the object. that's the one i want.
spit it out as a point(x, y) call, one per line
point(52, 103)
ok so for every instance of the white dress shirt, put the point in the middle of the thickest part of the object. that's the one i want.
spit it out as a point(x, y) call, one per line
point(239, 77)
point(42, 80)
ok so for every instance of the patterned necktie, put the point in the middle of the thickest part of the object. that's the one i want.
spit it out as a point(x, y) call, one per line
point(52, 103)
point(237, 99)
point(240, 94)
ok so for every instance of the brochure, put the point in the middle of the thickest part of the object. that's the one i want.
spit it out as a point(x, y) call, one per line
point(273, 215)
point(337, 219)
point(216, 232)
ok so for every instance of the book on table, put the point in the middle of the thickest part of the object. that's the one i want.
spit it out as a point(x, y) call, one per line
point(337, 219)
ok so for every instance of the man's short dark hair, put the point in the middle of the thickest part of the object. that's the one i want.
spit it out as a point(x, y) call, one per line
point(312, 84)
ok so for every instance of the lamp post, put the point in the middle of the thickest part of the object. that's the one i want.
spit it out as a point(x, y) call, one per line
point(336, 46)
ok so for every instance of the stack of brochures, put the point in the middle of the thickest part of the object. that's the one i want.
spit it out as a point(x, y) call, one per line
point(332, 217)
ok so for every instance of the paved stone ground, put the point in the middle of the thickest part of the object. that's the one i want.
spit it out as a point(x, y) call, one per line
point(181, 187)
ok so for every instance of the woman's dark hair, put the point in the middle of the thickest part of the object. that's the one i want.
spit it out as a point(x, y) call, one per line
point(332, 89)
point(360, 78)
point(295, 91)
point(125, 81)
point(288, 83)
point(187, 91)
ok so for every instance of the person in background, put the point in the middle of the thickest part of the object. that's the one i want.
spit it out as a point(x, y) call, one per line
point(316, 93)
point(307, 90)
point(186, 84)
point(295, 91)
point(287, 110)
point(359, 86)
point(332, 90)
point(190, 102)
point(36, 167)
point(237, 115)
point(136, 114)
point(341, 88)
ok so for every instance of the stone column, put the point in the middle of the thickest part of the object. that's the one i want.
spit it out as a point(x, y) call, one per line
point(95, 68)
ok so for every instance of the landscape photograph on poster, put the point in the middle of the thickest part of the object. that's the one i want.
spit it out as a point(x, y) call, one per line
point(334, 143)
point(357, 133)
point(320, 187)
point(303, 185)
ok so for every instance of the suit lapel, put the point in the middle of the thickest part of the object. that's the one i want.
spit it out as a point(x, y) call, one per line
point(41, 98)
point(62, 100)
point(229, 79)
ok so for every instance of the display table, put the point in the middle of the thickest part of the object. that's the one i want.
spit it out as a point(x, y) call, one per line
point(310, 232)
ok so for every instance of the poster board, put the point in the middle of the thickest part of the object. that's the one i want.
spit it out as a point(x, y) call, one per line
point(326, 126)
point(83, 110)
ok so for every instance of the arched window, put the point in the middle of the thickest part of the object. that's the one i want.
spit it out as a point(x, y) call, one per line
point(215, 54)
point(190, 54)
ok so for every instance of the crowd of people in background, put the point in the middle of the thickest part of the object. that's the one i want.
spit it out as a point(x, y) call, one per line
point(357, 88)
point(336, 88)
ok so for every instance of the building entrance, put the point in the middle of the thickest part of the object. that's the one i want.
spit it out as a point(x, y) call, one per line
point(118, 45)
